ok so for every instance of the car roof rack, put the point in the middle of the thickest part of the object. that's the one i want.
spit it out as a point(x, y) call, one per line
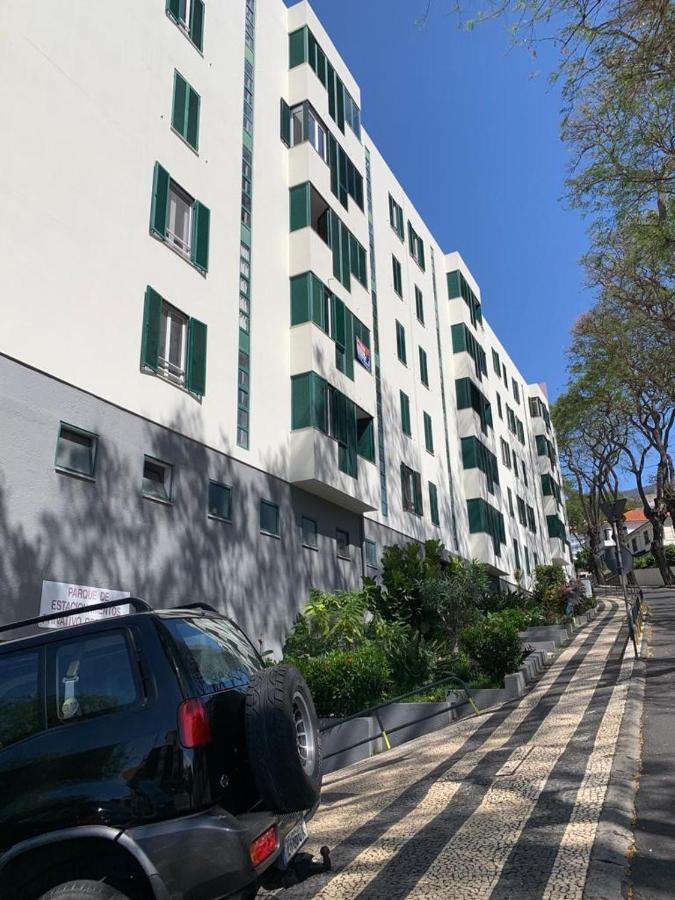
point(205, 606)
point(138, 605)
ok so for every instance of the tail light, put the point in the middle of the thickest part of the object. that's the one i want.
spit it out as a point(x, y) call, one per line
point(193, 724)
point(263, 846)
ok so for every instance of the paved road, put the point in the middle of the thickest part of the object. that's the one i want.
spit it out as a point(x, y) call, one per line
point(503, 805)
point(653, 867)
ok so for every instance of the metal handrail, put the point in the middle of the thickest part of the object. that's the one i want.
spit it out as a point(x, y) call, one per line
point(375, 711)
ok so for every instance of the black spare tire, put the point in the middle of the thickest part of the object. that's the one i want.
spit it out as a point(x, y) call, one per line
point(282, 736)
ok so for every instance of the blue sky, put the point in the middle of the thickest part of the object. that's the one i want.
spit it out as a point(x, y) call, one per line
point(472, 132)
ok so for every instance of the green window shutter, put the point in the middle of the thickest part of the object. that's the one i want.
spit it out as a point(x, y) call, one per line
point(424, 370)
point(160, 201)
point(350, 344)
point(417, 493)
point(320, 65)
point(343, 164)
point(197, 23)
point(285, 122)
point(454, 289)
point(297, 48)
point(421, 256)
point(173, 6)
point(152, 325)
point(339, 324)
point(340, 103)
point(400, 343)
point(458, 338)
point(462, 386)
point(193, 107)
point(396, 273)
point(300, 406)
point(300, 298)
point(178, 112)
point(330, 87)
point(333, 163)
point(433, 504)
point(366, 439)
point(318, 401)
point(196, 358)
point(428, 433)
point(319, 302)
point(469, 460)
point(300, 214)
point(344, 254)
point(200, 235)
point(363, 267)
point(405, 413)
point(352, 440)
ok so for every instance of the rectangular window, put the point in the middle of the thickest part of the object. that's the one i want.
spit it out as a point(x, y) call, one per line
point(522, 464)
point(370, 550)
point(185, 110)
point(527, 561)
point(476, 455)
point(157, 479)
point(396, 272)
point(189, 16)
point(93, 676)
point(511, 510)
point(416, 246)
point(496, 365)
point(499, 407)
point(419, 305)
point(173, 345)
point(516, 553)
point(536, 558)
point(215, 652)
point(428, 433)
point(220, 501)
point(179, 220)
point(20, 696)
point(516, 391)
point(531, 523)
point(469, 397)
point(76, 451)
point(506, 380)
point(405, 414)
point(506, 453)
point(309, 533)
point(342, 541)
point(646, 538)
point(396, 217)
point(522, 516)
point(424, 370)
point(269, 518)
point(459, 287)
point(411, 490)
point(433, 504)
point(400, 344)
point(488, 520)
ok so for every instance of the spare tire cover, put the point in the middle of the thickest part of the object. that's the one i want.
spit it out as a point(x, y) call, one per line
point(282, 737)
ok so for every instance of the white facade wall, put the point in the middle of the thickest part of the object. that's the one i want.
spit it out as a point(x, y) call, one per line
point(87, 103)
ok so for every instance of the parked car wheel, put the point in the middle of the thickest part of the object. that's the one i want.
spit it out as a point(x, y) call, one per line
point(282, 733)
point(81, 890)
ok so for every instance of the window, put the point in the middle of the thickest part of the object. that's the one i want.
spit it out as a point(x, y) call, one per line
point(646, 538)
point(484, 518)
point(536, 558)
point(179, 220)
point(185, 110)
point(269, 518)
point(370, 548)
point(411, 490)
point(506, 453)
point(76, 451)
point(405, 414)
point(342, 541)
point(476, 455)
point(515, 463)
point(634, 544)
point(496, 365)
point(416, 246)
point(189, 16)
point(433, 504)
point(92, 676)
point(428, 433)
point(396, 271)
point(463, 340)
point(522, 465)
point(516, 553)
point(309, 533)
point(157, 479)
point(307, 126)
point(400, 343)
point(469, 397)
point(424, 369)
point(419, 305)
point(20, 700)
point(522, 516)
point(499, 407)
point(527, 561)
point(556, 529)
point(220, 501)
point(396, 217)
point(511, 419)
point(520, 431)
point(173, 345)
point(459, 287)
point(216, 654)
point(531, 523)
point(511, 511)
point(516, 391)
point(506, 380)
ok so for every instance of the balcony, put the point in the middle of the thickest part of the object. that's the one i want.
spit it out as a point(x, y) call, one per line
point(314, 467)
point(559, 552)
point(483, 549)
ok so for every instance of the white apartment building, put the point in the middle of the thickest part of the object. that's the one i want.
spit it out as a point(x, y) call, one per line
point(234, 361)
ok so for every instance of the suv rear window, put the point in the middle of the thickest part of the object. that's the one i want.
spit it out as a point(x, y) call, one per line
point(92, 676)
point(215, 653)
point(20, 708)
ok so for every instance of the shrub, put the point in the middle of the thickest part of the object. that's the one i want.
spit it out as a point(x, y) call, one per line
point(339, 621)
point(494, 645)
point(343, 682)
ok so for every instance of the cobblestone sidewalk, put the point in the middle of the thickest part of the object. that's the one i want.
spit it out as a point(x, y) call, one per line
point(503, 805)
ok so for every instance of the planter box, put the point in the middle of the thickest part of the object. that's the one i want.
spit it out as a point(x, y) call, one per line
point(343, 735)
point(398, 714)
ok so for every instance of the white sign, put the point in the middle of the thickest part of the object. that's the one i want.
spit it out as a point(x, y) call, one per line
point(66, 598)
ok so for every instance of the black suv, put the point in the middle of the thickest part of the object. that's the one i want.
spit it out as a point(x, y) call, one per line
point(149, 754)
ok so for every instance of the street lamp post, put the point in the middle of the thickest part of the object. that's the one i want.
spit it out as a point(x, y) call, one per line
point(614, 512)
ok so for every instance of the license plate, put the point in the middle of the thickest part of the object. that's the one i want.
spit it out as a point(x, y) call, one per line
point(295, 838)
